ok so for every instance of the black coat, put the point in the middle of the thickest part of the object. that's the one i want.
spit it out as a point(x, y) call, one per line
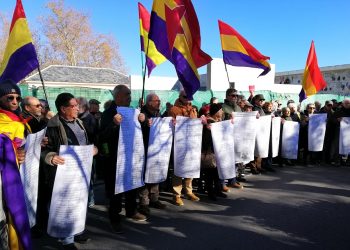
point(108, 143)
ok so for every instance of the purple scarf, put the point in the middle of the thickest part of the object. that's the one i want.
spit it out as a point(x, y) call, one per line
point(13, 192)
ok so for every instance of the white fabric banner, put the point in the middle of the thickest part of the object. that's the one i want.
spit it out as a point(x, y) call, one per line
point(159, 149)
point(131, 152)
point(276, 133)
point(317, 131)
point(262, 141)
point(29, 171)
point(224, 148)
point(70, 192)
point(290, 138)
point(244, 134)
point(344, 136)
point(187, 147)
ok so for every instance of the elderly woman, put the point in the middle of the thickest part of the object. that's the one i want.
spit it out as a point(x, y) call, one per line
point(208, 161)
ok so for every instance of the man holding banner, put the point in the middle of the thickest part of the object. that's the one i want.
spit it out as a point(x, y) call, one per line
point(109, 137)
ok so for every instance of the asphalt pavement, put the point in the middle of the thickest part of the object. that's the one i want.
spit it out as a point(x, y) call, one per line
point(294, 208)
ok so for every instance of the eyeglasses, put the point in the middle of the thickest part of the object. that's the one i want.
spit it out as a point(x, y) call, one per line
point(261, 100)
point(233, 95)
point(36, 105)
point(10, 98)
point(184, 96)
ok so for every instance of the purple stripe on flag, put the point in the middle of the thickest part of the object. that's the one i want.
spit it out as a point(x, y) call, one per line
point(150, 65)
point(21, 63)
point(240, 59)
point(142, 45)
point(13, 192)
point(187, 77)
point(158, 34)
point(302, 95)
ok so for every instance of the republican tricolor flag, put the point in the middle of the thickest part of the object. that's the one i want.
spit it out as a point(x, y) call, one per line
point(176, 33)
point(20, 57)
point(153, 57)
point(237, 51)
point(313, 80)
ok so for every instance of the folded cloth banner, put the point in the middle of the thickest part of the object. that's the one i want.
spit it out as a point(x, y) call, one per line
point(131, 152)
point(344, 138)
point(262, 141)
point(245, 121)
point(187, 147)
point(159, 149)
point(275, 134)
point(30, 173)
point(224, 148)
point(290, 138)
point(317, 132)
point(69, 200)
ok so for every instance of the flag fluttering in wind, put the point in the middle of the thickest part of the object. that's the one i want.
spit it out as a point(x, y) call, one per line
point(20, 57)
point(313, 80)
point(237, 51)
point(176, 33)
point(153, 57)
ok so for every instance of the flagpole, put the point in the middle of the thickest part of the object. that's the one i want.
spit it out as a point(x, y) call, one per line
point(42, 82)
point(144, 75)
point(228, 79)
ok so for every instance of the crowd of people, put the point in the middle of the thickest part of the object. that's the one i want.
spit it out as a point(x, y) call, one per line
point(80, 122)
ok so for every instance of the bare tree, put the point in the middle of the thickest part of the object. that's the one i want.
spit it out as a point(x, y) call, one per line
point(71, 40)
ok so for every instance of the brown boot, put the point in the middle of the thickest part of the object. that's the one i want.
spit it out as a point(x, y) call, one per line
point(178, 201)
point(192, 197)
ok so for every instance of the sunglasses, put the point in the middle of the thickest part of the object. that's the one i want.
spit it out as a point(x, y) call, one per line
point(184, 96)
point(233, 95)
point(10, 98)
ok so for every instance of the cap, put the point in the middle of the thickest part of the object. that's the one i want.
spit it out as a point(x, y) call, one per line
point(9, 87)
point(214, 108)
point(259, 97)
point(328, 103)
point(94, 101)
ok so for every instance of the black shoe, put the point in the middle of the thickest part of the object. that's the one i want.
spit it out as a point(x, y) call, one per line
point(270, 169)
point(157, 205)
point(255, 171)
point(144, 209)
point(81, 238)
point(70, 246)
point(212, 196)
point(117, 228)
point(36, 232)
point(241, 179)
point(221, 194)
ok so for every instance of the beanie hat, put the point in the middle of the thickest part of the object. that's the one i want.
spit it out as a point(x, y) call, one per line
point(204, 110)
point(9, 87)
point(214, 108)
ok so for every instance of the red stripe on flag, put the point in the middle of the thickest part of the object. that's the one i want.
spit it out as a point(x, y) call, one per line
point(18, 13)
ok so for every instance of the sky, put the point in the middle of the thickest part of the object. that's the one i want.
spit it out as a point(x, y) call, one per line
point(280, 29)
